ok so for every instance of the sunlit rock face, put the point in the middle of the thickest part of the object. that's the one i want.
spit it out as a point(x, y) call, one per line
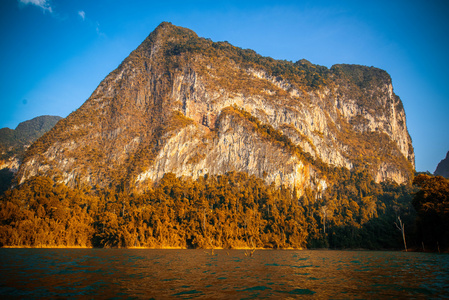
point(187, 105)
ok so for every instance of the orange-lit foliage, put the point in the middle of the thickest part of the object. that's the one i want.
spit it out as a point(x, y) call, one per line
point(230, 211)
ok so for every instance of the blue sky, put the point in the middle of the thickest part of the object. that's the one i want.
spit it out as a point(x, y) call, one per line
point(54, 53)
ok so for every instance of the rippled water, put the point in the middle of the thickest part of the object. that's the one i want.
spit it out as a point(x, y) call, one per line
point(187, 274)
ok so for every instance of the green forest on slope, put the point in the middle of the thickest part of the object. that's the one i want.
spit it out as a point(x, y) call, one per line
point(233, 210)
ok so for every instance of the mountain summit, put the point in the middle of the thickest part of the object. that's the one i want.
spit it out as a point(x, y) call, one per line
point(443, 167)
point(186, 105)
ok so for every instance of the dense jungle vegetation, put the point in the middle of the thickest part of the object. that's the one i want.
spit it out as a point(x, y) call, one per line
point(231, 211)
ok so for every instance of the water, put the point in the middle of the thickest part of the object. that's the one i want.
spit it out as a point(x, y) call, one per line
point(228, 274)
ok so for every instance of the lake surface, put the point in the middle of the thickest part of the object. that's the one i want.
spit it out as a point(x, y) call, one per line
point(228, 274)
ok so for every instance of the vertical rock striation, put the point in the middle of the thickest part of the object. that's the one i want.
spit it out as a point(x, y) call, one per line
point(187, 105)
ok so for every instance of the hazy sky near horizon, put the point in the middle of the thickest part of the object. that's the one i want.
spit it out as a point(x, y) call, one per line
point(55, 52)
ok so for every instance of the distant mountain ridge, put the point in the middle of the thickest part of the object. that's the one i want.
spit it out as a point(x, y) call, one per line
point(186, 105)
point(443, 167)
point(14, 142)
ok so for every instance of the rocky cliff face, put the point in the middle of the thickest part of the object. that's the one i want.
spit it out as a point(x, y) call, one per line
point(187, 105)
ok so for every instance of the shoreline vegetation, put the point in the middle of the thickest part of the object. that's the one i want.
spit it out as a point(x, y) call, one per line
point(230, 211)
point(414, 250)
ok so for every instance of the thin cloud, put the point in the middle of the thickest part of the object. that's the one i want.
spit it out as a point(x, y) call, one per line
point(44, 4)
point(97, 28)
point(82, 14)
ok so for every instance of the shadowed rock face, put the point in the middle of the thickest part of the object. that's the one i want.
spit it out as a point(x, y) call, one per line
point(443, 167)
point(187, 105)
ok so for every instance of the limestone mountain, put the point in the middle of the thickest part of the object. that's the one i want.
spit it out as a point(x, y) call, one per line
point(184, 104)
point(14, 142)
point(443, 167)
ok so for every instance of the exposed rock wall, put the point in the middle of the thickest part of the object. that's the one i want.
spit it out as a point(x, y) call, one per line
point(167, 109)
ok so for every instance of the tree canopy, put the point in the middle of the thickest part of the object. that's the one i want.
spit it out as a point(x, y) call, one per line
point(232, 210)
point(432, 205)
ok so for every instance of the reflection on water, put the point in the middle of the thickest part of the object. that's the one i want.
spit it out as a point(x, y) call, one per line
point(187, 274)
